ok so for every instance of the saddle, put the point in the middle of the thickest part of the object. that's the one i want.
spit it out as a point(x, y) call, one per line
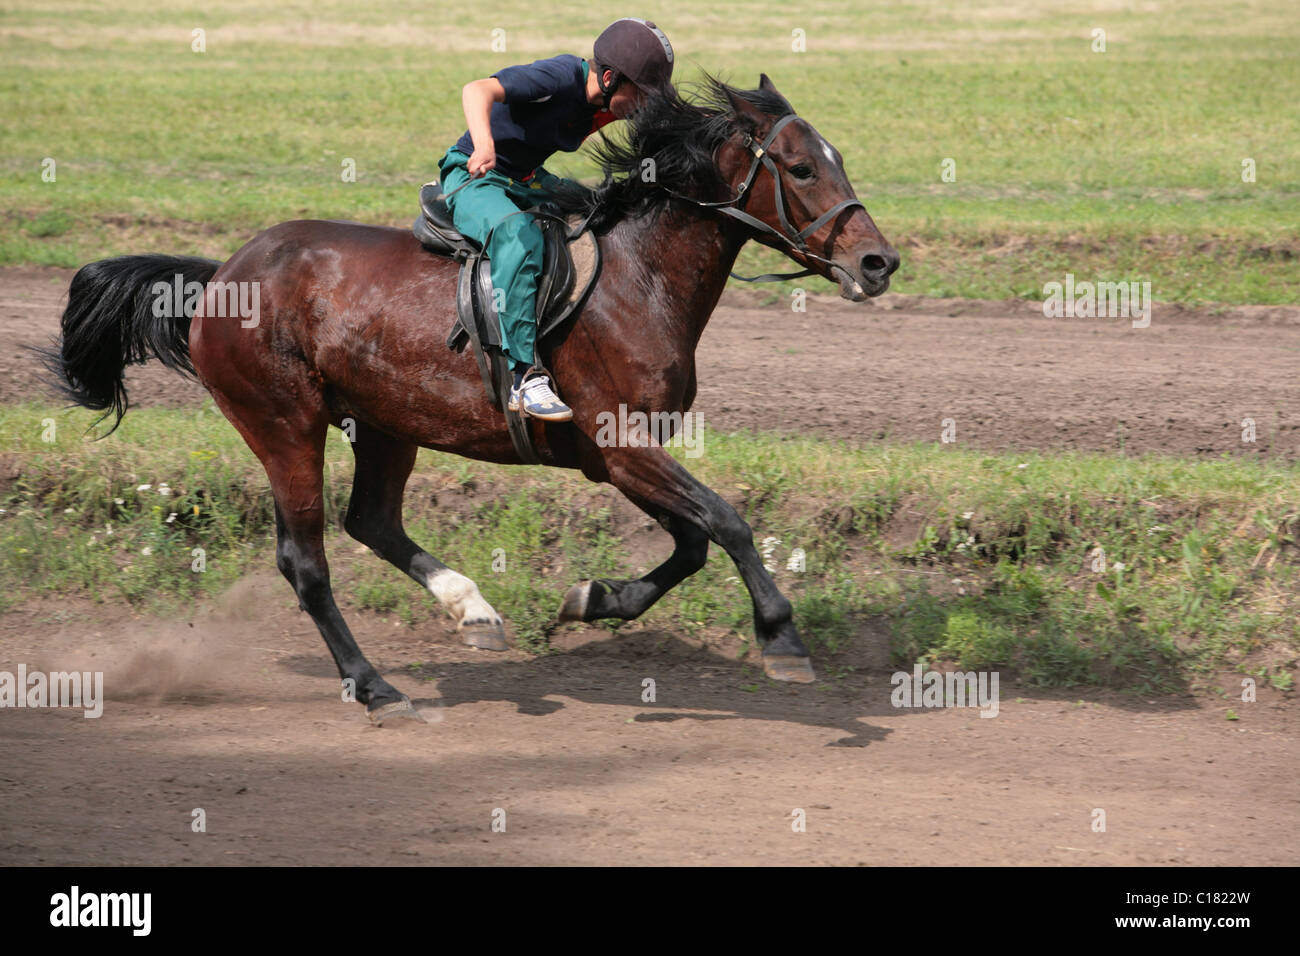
point(570, 264)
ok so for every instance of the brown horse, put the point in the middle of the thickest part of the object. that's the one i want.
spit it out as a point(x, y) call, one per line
point(352, 321)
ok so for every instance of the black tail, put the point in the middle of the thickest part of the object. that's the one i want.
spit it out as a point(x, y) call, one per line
point(118, 315)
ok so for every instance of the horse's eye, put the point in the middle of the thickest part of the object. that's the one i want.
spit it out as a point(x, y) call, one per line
point(801, 171)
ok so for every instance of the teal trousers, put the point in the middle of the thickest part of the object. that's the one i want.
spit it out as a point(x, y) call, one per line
point(483, 211)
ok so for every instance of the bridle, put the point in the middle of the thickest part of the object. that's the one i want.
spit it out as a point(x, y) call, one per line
point(787, 234)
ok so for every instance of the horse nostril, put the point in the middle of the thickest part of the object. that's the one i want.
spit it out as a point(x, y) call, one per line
point(880, 265)
point(873, 265)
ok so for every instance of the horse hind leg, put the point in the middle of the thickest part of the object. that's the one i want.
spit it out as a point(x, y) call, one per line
point(291, 447)
point(375, 519)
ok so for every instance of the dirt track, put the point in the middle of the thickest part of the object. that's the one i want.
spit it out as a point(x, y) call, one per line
point(241, 716)
point(236, 711)
point(898, 367)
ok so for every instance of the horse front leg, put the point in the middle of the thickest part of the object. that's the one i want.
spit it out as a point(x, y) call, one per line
point(652, 476)
point(629, 599)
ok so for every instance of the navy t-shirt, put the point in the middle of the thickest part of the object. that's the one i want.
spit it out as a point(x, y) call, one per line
point(545, 110)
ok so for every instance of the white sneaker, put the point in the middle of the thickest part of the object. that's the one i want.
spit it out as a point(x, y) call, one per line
point(538, 401)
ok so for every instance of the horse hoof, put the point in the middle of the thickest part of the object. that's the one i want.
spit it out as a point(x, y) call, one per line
point(574, 607)
point(794, 670)
point(486, 637)
point(393, 711)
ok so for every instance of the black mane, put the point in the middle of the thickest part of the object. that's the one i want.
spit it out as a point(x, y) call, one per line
point(680, 135)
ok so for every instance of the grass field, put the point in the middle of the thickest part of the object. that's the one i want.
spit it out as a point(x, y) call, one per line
point(990, 561)
point(1116, 165)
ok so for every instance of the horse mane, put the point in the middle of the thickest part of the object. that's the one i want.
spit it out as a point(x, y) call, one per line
point(680, 135)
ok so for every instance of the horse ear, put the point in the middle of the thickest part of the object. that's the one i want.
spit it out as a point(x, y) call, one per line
point(746, 111)
point(768, 86)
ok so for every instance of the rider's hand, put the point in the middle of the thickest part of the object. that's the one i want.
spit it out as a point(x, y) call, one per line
point(484, 158)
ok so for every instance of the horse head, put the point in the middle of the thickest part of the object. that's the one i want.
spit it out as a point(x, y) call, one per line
point(790, 187)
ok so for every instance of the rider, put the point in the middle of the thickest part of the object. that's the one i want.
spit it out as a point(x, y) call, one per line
point(517, 118)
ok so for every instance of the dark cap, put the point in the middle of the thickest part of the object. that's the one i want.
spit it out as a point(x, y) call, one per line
point(636, 49)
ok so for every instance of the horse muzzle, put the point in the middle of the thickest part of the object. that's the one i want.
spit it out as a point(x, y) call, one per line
point(869, 274)
point(872, 274)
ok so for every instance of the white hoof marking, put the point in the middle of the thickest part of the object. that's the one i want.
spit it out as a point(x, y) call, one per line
point(461, 597)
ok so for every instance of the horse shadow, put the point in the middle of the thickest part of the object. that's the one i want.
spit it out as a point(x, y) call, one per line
point(689, 683)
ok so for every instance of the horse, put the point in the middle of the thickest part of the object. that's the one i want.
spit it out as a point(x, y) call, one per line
point(352, 320)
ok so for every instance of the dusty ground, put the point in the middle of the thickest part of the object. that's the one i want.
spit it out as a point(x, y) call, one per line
point(234, 708)
point(240, 715)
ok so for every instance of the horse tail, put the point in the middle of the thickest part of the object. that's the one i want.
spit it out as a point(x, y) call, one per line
point(124, 311)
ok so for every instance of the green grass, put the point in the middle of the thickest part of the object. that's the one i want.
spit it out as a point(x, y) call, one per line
point(1147, 573)
point(1122, 165)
